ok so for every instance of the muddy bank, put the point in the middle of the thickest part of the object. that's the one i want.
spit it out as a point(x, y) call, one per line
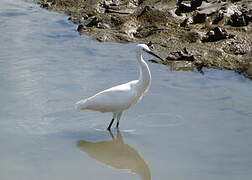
point(190, 35)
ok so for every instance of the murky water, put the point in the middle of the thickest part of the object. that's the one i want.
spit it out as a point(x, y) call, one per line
point(188, 126)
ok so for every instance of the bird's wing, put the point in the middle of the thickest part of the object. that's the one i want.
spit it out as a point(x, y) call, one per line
point(113, 99)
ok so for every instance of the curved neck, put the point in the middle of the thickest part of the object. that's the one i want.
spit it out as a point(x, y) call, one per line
point(144, 79)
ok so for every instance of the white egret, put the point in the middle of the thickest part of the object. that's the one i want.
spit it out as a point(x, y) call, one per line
point(121, 97)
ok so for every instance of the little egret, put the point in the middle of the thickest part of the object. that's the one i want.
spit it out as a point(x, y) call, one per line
point(121, 97)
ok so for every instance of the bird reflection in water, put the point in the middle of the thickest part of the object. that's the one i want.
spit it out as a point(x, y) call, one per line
point(117, 154)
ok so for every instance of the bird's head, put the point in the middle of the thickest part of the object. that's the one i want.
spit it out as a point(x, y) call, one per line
point(143, 47)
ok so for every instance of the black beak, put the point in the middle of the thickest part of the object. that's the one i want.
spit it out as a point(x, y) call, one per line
point(153, 54)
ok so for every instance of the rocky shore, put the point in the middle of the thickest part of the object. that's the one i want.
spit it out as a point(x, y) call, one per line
point(189, 35)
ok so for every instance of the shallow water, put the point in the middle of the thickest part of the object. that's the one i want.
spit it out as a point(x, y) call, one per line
point(189, 126)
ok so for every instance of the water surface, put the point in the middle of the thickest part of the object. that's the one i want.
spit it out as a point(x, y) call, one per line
point(189, 126)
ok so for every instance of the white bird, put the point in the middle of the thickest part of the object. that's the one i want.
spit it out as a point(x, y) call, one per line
point(121, 97)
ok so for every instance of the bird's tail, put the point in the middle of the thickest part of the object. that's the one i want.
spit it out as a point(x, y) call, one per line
point(81, 105)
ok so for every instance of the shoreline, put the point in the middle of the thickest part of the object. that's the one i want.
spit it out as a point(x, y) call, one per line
point(189, 35)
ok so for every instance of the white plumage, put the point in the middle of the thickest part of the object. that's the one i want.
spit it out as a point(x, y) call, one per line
point(121, 97)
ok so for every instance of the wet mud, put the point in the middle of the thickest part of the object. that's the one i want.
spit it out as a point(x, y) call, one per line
point(189, 35)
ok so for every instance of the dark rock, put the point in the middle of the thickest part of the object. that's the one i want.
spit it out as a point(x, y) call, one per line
point(219, 17)
point(116, 21)
point(199, 18)
point(117, 12)
point(195, 4)
point(233, 1)
point(248, 15)
point(90, 22)
point(238, 20)
point(183, 7)
point(140, 1)
point(45, 4)
point(199, 66)
point(217, 34)
point(187, 6)
point(80, 27)
point(180, 56)
point(186, 22)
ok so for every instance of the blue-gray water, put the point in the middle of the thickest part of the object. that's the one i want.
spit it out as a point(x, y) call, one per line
point(188, 126)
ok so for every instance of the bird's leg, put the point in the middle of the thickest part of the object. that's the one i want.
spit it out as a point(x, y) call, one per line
point(111, 134)
point(118, 119)
point(110, 124)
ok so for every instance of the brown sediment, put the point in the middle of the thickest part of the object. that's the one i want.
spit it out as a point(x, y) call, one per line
point(192, 34)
